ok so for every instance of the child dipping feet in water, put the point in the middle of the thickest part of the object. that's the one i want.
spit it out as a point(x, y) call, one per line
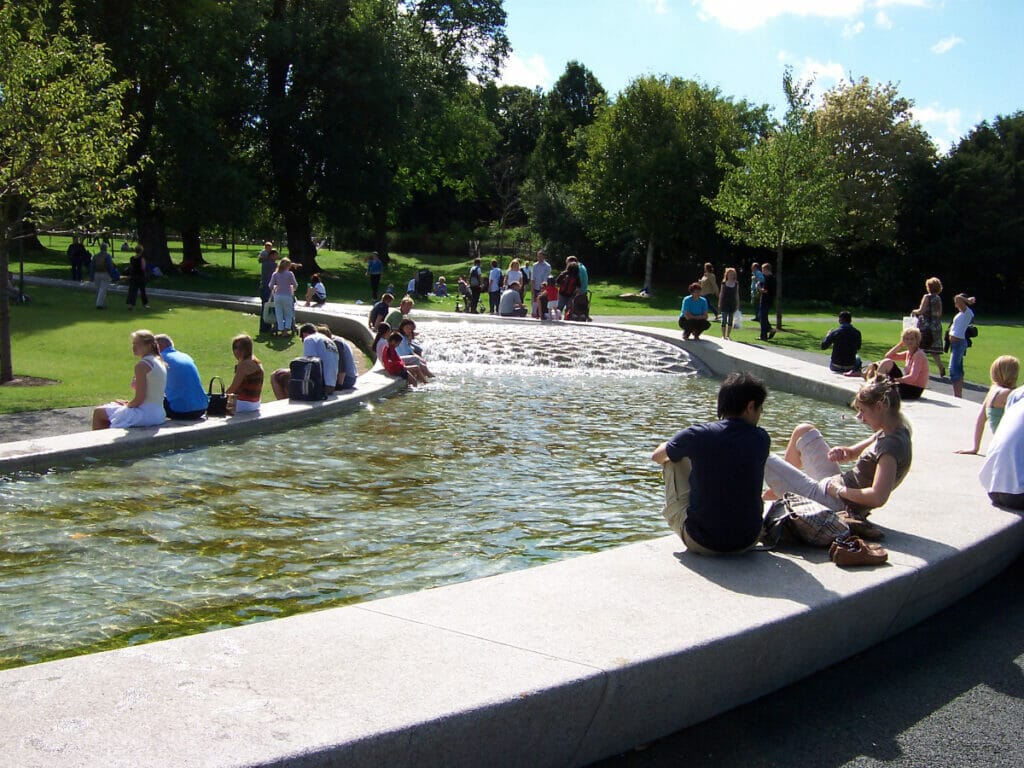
point(1004, 372)
point(393, 362)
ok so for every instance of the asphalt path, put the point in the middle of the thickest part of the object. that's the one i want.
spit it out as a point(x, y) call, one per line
point(948, 692)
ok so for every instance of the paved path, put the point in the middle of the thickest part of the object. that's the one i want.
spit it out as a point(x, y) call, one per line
point(948, 693)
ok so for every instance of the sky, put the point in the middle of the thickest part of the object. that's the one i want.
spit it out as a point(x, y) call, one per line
point(959, 61)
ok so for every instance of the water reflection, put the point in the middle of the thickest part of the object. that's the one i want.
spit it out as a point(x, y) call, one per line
point(490, 469)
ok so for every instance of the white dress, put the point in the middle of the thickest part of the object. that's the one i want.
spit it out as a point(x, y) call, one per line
point(151, 412)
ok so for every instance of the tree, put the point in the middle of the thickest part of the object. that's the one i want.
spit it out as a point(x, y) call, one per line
point(651, 163)
point(875, 143)
point(784, 191)
point(62, 135)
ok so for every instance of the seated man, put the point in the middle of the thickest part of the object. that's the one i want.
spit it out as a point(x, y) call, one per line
point(314, 344)
point(714, 473)
point(184, 396)
point(693, 315)
point(1002, 474)
point(396, 316)
point(511, 302)
point(845, 342)
point(346, 362)
point(380, 311)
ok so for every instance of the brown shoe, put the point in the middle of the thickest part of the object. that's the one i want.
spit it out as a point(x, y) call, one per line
point(853, 552)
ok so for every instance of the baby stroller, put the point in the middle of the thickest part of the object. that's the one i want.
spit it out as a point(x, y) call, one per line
point(578, 310)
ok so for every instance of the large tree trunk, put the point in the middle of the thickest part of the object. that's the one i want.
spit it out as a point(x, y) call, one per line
point(153, 238)
point(6, 366)
point(148, 215)
point(191, 245)
point(649, 265)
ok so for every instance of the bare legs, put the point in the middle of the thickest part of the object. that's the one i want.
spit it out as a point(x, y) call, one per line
point(100, 420)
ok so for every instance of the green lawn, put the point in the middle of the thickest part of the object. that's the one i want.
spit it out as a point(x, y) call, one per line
point(62, 337)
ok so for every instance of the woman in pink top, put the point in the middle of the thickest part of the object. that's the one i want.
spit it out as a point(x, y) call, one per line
point(913, 379)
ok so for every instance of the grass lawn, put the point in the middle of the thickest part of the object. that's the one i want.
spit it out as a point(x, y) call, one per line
point(87, 353)
point(804, 331)
point(61, 336)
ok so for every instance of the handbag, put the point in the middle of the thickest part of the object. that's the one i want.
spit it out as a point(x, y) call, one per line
point(218, 404)
point(737, 320)
point(803, 520)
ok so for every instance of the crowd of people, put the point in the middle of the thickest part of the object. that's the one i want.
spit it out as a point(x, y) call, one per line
point(528, 290)
point(709, 295)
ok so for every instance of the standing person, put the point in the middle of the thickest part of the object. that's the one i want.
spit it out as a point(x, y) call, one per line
point(1002, 474)
point(845, 342)
point(584, 274)
point(538, 278)
point(709, 287)
point(282, 291)
point(913, 379)
point(767, 300)
point(756, 281)
point(1003, 373)
point(693, 315)
point(568, 282)
point(146, 408)
point(247, 384)
point(137, 278)
point(494, 286)
point(78, 258)
point(714, 473)
point(929, 322)
point(184, 396)
point(375, 269)
point(101, 270)
point(268, 263)
point(958, 341)
point(476, 286)
point(728, 300)
point(515, 275)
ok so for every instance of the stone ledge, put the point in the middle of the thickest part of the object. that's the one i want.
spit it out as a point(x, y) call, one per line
point(557, 665)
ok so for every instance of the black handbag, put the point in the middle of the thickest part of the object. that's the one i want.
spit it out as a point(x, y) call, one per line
point(218, 405)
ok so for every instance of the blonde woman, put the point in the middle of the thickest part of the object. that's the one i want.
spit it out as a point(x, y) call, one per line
point(929, 321)
point(515, 275)
point(146, 408)
point(247, 385)
point(912, 380)
point(282, 291)
point(811, 468)
point(709, 287)
point(728, 300)
point(1003, 373)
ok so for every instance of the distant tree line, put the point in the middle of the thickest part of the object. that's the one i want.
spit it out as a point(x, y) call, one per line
point(363, 118)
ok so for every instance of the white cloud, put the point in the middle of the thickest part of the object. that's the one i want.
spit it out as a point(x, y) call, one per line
point(943, 125)
point(825, 74)
point(882, 19)
point(530, 72)
point(946, 44)
point(744, 15)
point(660, 7)
point(852, 29)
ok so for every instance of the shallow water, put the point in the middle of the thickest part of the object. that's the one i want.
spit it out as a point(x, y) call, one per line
point(496, 466)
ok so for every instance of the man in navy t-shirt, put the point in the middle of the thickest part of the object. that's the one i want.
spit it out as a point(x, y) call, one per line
point(714, 473)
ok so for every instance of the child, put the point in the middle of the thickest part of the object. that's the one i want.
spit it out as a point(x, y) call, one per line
point(1004, 372)
point(549, 296)
point(316, 292)
point(393, 362)
point(380, 341)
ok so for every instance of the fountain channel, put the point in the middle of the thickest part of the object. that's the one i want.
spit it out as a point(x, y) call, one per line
point(531, 445)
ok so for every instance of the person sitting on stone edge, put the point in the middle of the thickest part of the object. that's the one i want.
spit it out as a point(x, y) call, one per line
point(714, 473)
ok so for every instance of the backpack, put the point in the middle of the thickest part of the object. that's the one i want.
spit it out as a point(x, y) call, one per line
point(474, 277)
point(307, 379)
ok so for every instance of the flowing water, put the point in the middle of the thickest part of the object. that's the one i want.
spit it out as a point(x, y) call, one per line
point(532, 444)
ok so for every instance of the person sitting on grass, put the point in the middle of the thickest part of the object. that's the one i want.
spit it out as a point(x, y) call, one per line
point(845, 342)
point(714, 473)
point(693, 315)
point(913, 379)
point(395, 367)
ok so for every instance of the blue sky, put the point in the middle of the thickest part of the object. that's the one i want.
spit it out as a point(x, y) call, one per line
point(960, 61)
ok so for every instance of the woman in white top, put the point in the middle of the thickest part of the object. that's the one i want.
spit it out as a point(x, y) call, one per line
point(515, 275)
point(958, 341)
point(282, 291)
point(146, 409)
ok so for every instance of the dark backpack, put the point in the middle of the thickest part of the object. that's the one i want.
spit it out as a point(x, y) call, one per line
point(307, 381)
